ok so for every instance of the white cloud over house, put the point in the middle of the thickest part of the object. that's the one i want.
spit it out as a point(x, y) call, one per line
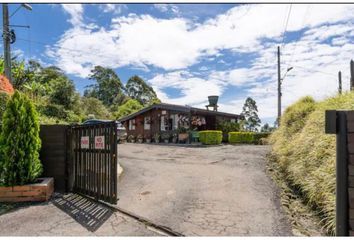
point(323, 46)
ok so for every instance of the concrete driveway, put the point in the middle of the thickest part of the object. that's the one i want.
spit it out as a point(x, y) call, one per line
point(211, 191)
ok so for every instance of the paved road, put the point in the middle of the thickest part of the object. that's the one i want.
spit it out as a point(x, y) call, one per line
point(213, 191)
point(46, 219)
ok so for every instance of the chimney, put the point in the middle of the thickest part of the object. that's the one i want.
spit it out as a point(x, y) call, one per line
point(213, 102)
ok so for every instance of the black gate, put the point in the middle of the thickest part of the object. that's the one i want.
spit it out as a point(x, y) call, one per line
point(94, 159)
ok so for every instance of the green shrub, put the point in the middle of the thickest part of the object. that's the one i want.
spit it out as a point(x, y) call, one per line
point(4, 97)
point(210, 137)
point(306, 155)
point(20, 142)
point(258, 138)
point(227, 127)
point(241, 137)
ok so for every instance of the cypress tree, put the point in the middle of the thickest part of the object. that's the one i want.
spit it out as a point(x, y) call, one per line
point(20, 142)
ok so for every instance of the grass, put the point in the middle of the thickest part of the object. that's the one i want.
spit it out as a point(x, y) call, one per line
point(306, 155)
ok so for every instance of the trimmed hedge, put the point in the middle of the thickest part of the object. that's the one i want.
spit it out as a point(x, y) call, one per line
point(258, 137)
point(241, 137)
point(247, 137)
point(210, 137)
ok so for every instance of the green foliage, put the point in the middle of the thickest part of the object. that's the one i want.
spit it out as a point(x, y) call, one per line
point(295, 116)
point(4, 97)
point(93, 106)
point(108, 86)
point(131, 106)
point(250, 113)
point(306, 155)
point(227, 127)
point(20, 142)
point(247, 137)
point(266, 128)
point(63, 93)
point(210, 137)
point(259, 138)
point(137, 89)
point(241, 137)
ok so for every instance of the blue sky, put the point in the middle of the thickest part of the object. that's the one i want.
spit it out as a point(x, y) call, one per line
point(189, 51)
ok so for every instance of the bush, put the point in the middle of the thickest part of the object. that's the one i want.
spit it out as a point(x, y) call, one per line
point(306, 155)
point(210, 137)
point(19, 163)
point(241, 137)
point(227, 127)
point(260, 138)
point(4, 97)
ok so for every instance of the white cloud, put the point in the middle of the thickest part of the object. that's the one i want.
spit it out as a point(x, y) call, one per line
point(175, 44)
point(170, 8)
point(75, 11)
point(112, 8)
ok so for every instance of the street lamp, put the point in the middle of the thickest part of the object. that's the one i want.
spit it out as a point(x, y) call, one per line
point(9, 36)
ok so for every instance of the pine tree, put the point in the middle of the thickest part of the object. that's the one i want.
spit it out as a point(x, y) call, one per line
point(20, 142)
point(250, 113)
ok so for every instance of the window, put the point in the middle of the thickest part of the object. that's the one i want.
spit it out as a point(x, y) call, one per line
point(173, 122)
point(163, 123)
point(147, 123)
point(132, 124)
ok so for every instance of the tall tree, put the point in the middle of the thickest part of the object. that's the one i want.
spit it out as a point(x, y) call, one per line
point(250, 113)
point(137, 89)
point(94, 107)
point(129, 107)
point(107, 88)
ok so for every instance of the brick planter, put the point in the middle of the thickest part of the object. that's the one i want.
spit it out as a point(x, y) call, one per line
point(38, 192)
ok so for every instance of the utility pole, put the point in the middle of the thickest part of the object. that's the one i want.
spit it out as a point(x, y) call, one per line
point(340, 82)
point(279, 89)
point(6, 40)
point(351, 75)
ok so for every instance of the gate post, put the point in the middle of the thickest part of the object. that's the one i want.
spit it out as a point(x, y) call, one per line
point(336, 123)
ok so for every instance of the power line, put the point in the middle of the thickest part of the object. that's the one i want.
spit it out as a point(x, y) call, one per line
point(302, 24)
point(286, 26)
point(314, 70)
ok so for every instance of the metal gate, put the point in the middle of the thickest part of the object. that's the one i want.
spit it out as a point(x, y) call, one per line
point(94, 159)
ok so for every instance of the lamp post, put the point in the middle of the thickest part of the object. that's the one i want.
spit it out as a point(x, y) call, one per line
point(8, 36)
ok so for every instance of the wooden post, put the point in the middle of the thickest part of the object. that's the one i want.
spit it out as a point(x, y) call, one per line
point(340, 82)
point(351, 75)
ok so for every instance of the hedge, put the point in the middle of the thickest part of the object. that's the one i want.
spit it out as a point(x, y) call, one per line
point(246, 137)
point(210, 137)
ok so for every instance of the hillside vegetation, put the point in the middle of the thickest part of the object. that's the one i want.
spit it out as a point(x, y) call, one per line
point(306, 155)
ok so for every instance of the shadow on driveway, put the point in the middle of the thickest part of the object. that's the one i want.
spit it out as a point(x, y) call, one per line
point(86, 212)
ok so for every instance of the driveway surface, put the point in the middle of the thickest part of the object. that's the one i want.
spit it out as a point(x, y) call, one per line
point(202, 191)
point(46, 219)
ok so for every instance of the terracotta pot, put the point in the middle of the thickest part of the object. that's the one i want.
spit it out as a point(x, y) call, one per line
point(182, 136)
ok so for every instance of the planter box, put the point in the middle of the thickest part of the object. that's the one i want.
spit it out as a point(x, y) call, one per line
point(40, 191)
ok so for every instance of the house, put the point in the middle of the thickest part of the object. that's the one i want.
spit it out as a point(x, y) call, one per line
point(169, 118)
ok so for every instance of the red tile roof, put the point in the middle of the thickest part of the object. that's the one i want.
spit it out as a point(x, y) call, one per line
point(5, 85)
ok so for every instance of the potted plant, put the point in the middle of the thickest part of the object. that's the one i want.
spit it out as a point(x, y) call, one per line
point(182, 134)
point(174, 137)
point(139, 138)
point(131, 139)
point(20, 144)
point(157, 137)
point(148, 138)
point(165, 137)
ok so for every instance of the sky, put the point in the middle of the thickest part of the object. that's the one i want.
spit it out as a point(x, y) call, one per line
point(187, 52)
